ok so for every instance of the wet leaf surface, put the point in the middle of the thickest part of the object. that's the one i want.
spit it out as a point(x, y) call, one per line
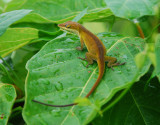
point(57, 76)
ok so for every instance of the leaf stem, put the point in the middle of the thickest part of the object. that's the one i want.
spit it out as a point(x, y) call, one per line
point(139, 28)
point(20, 100)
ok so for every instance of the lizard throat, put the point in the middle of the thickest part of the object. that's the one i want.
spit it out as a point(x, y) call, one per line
point(72, 31)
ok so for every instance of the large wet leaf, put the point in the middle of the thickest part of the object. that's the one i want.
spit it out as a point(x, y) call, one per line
point(157, 52)
point(60, 11)
point(15, 38)
point(137, 107)
point(8, 18)
point(131, 9)
point(57, 76)
point(7, 98)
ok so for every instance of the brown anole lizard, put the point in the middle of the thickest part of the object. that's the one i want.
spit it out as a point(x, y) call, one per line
point(96, 51)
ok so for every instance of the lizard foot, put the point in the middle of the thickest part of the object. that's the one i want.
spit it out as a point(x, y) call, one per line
point(79, 48)
point(82, 58)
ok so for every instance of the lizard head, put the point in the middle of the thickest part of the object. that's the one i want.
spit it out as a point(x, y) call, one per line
point(70, 26)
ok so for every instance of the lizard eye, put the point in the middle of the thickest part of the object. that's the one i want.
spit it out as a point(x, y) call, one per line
point(67, 26)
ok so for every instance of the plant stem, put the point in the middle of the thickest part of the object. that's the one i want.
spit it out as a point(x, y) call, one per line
point(139, 29)
point(20, 100)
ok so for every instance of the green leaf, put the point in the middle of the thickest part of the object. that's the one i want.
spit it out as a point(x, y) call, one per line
point(15, 38)
point(131, 9)
point(157, 52)
point(44, 27)
point(8, 18)
point(140, 59)
point(4, 75)
point(7, 98)
point(137, 107)
point(80, 15)
point(19, 59)
point(60, 11)
point(9, 5)
point(57, 76)
point(152, 58)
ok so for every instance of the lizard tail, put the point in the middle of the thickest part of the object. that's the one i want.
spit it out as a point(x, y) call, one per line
point(67, 105)
point(101, 65)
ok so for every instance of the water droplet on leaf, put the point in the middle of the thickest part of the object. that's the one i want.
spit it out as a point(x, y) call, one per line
point(58, 86)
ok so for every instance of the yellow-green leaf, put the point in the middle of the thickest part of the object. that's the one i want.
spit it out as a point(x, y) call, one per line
point(15, 38)
point(140, 59)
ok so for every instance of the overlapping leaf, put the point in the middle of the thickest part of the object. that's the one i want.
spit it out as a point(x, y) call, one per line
point(131, 9)
point(15, 38)
point(56, 76)
point(8, 18)
point(157, 52)
point(9, 5)
point(137, 107)
point(59, 11)
point(7, 98)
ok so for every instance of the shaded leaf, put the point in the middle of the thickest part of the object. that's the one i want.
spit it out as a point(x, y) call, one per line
point(137, 107)
point(8, 18)
point(15, 38)
point(131, 9)
point(46, 27)
point(19, 59)
point(4, 75)
point(57, 76)
point(16, 117)
point(157, 52)
point(7, 98)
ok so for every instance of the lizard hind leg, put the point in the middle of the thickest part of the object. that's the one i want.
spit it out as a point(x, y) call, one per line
point(89, 58)
point(112, 61)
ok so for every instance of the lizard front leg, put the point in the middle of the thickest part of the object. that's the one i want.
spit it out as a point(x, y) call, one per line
point(89, 58)
point(82, 42)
